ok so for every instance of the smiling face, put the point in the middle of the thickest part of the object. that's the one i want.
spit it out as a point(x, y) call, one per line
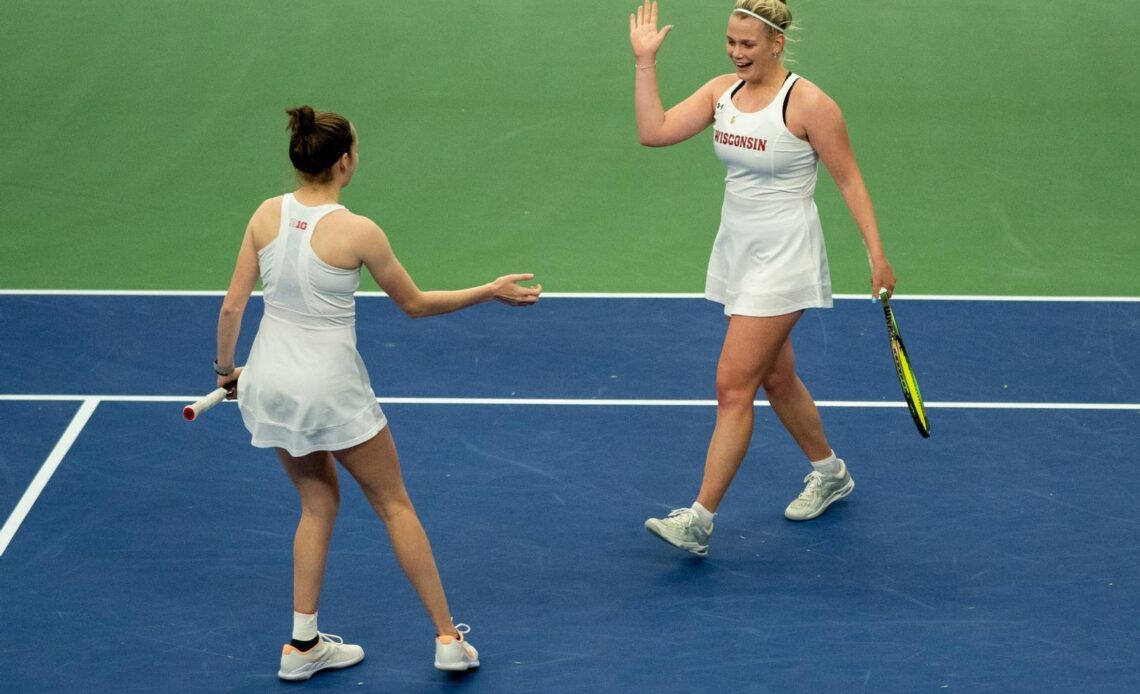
point(751, 47)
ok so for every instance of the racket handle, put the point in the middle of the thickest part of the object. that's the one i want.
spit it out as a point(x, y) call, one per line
point(191, 411)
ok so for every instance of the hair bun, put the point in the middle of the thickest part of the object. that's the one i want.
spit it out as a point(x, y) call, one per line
point(317, 140)
point(302, 119)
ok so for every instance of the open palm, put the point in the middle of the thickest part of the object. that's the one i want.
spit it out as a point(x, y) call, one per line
point(643, 33)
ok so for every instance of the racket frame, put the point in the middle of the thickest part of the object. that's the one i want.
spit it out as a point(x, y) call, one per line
point(912, 395)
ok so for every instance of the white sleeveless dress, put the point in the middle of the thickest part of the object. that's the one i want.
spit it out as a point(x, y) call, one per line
point(768, 258)
point(305, 387)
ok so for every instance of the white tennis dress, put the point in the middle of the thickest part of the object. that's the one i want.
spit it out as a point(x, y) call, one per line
point(768, 258)
point(304, 387)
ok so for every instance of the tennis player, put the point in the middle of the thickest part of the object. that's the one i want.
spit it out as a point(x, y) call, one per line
point(304, 390)
point(771, 127)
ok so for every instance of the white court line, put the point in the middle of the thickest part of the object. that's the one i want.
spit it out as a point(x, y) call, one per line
point(90, 402)
point(575, 295)
point(46, 471)
point(590, 402)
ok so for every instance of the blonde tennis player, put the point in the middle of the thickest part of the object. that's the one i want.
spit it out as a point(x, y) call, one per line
point(304, 390)
point(771, 128)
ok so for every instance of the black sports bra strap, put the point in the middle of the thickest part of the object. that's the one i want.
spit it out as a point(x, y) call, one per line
point(784, 113)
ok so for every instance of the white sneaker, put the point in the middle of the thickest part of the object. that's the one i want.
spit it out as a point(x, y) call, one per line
point(682, 529)
point(455, 654)
point(820, 491)
point(330, 653)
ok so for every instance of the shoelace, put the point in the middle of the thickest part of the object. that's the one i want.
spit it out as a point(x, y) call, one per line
point(813, 480)
point(331, 638)
point(463, 629)
point(688, 514)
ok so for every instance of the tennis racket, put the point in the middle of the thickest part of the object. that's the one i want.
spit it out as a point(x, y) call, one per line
point(191, 411)
point(904, 370)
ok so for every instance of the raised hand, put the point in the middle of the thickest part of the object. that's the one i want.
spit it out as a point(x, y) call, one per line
point(643, 33)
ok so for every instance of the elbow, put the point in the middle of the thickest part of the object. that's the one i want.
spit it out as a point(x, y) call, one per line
point(232, 309)
point(412, 302)
point(650, 140)
point(416, 309)
point(658, 134)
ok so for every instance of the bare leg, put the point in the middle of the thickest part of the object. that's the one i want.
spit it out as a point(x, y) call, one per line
point(748, 357)
point(794, 406)
point(376, 467)
point(314, 475)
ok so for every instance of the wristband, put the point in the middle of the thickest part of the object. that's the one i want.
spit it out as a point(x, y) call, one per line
point(222, 371)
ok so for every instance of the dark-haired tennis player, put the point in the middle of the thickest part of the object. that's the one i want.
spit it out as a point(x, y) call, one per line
point(305, 392)
point(770, 129)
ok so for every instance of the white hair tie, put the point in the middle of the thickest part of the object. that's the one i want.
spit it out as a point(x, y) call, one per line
point(750, 13)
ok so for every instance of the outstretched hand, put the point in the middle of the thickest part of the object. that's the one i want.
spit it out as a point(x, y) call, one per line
point(510, 292)
point(643, 33)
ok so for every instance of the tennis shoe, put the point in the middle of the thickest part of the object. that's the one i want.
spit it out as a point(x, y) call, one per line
point(682, 529)
point(330, 653)
point(455, 654)
point(820, 491)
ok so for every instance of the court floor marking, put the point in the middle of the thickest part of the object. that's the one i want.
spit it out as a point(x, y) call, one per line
point(16, 518)
point(590, 402)
point(571, 295)
point(90, 402)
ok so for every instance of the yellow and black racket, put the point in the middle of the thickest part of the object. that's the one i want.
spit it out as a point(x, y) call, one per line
point(906, 373)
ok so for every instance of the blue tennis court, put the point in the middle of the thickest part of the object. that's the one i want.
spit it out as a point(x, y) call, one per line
point(143, 553)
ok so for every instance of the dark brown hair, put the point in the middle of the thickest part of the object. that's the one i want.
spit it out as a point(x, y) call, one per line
point(318, 140)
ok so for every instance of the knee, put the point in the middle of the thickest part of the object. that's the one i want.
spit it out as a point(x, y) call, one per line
point(734, 392)
point(779, 382)
point(395, 511)
point(324, 506)
point(391, 505)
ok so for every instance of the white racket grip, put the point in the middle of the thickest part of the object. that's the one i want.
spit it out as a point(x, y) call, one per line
point(191, 411)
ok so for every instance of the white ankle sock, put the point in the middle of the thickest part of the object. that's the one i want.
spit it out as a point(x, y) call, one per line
point(830, 466)
point(304, 626)
point(703, 514)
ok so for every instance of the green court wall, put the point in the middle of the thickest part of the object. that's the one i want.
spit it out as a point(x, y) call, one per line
point(998, 139)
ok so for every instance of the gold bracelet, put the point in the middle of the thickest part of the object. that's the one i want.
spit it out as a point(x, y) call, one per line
point(646, 67)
